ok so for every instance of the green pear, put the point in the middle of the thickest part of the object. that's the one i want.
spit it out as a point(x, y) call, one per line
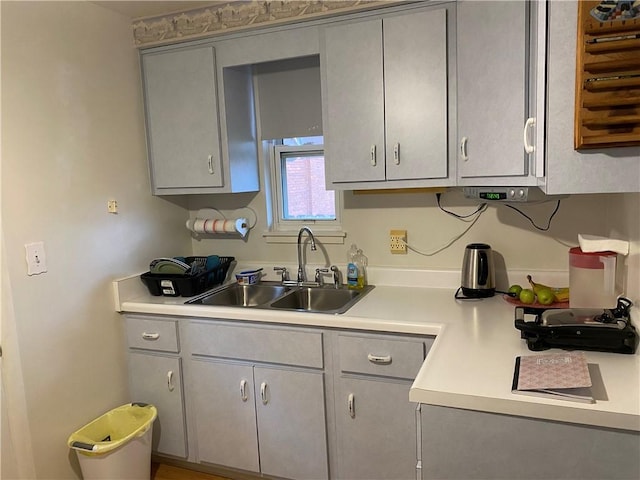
point(527, 296)
point(545, 296)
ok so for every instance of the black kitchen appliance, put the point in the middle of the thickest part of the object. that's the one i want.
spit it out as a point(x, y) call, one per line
point(605, 330)
point(478, 272)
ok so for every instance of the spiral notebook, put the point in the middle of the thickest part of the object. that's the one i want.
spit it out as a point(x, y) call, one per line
point(563, 376)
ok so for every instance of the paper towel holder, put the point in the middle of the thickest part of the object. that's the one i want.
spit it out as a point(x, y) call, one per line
point(211, 221)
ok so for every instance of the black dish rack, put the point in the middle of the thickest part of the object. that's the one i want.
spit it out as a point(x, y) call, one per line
point(186, 285)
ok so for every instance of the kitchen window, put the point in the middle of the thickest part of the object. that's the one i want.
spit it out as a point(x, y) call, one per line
point(289, 107)
point(298, 190)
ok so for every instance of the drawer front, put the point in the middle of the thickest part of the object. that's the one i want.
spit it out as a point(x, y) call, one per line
point(385, 356)
point(287, 347)
point(152, 334)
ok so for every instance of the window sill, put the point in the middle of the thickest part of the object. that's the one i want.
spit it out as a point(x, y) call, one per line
point(323, 236)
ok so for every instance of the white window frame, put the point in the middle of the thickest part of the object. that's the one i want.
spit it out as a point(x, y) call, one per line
point(280, 228)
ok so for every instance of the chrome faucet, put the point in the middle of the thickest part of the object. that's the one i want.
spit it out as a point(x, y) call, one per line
point(336, 276)
point(302, 276)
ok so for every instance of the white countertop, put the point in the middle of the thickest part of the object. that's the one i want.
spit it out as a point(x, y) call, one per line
point(470, 364)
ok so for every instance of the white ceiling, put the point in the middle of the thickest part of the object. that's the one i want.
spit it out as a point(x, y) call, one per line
point(150, 8)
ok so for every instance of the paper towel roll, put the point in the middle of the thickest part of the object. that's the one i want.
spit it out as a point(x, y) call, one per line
point(217, 225)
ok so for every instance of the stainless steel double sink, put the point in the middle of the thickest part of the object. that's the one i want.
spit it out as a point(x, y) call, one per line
point(274, 296)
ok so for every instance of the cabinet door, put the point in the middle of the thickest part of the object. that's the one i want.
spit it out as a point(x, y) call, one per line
point(353, 87)
point(492, 88)
point(415, 79)
point(224, 408)
point(182, 118)
point(291, 423)
point(376, 430)
point(157, 379)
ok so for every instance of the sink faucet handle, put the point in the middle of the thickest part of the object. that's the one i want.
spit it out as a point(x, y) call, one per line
point(319, 272)
point(284, 273)
point(336, 276)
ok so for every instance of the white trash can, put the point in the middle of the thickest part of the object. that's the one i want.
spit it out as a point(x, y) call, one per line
point(116, 445)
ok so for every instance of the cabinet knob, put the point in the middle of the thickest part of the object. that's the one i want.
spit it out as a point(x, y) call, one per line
point(170, 385)
point(150, 336)
point(373, 156)
point(210, 164)
point(379, 359)
point(263, 393)
point(396, 154)
point(463, 149)
point(529, 124)
point(351, 405)
point(243, 390)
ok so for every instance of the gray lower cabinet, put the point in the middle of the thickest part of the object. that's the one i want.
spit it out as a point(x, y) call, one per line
point(291, 423)
point(258, 399)
point(155, 377)
point(278, 400)
point(375, 422)
point(376, 426)
point(478, 445)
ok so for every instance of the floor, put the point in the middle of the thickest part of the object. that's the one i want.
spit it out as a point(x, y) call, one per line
point(160, 471)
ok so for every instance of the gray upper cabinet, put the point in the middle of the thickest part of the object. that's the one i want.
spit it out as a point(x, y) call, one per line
point(385, 100)
point(596, 170)
point(186, 151)
point(496, 139)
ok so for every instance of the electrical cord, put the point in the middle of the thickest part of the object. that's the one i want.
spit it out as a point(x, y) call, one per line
point(543, 229)
point(479, 211)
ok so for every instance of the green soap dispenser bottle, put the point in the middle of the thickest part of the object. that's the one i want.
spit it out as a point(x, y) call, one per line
point(352, 267)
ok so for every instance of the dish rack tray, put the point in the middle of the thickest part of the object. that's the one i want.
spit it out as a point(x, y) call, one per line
point(176, 285)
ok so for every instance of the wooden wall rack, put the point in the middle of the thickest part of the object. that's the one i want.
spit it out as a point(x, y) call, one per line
point(607, 108)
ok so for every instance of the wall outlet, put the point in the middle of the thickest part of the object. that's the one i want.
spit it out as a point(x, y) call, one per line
point(398, 241)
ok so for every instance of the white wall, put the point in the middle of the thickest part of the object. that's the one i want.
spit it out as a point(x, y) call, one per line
point(72, 138)
point(623, 217)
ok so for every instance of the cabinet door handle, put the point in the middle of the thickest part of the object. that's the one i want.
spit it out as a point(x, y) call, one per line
point(396, 154)
point(211, 164)
point(170, 385)
point(529, 124)
point(263, 393)
point(373, 156)
point(351, 405)
point(379, 359)
point(243, 390)
point(463, 149)
point(150, 336)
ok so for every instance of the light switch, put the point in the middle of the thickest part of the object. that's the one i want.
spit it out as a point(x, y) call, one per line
point(36, 259)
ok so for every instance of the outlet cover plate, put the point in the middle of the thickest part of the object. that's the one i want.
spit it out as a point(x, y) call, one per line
point(398, 241)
